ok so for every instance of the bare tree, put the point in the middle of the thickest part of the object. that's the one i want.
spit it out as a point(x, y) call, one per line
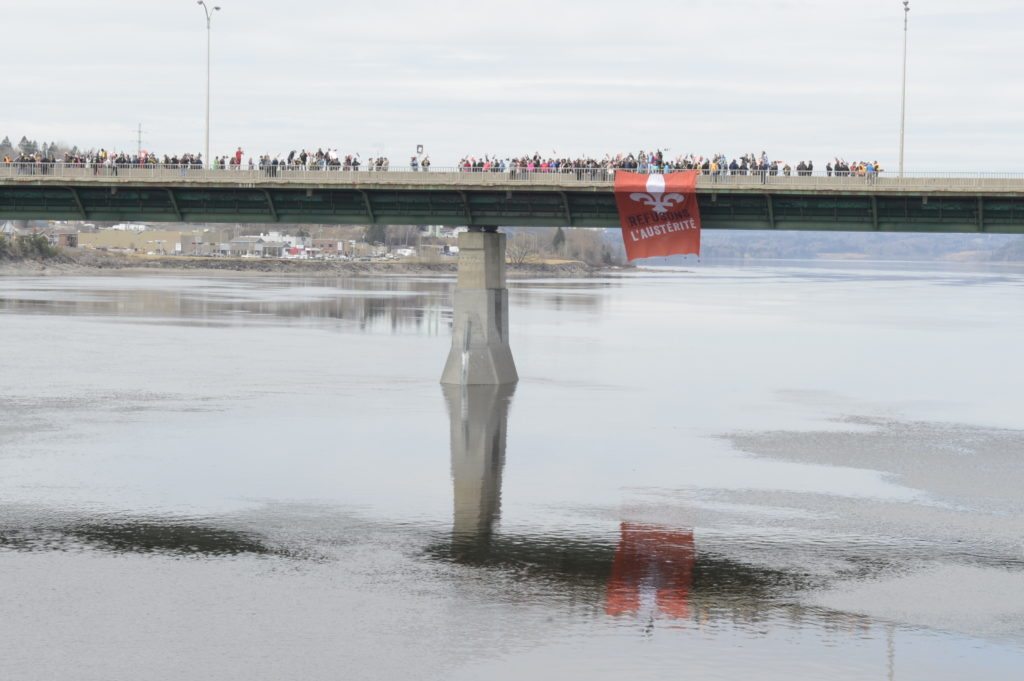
point(522, 247)
point(403, 235)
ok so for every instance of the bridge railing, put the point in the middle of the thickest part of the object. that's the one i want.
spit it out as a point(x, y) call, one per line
point(106, 173)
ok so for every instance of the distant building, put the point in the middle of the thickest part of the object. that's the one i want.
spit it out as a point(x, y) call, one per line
point(198, 244)
point(255, 247)
point(64, 238)
point(441, 231)
point(329, 248)
point(248, 246)
point(287, 240)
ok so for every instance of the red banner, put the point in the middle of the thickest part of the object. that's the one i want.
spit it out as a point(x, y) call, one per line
point(658, 213)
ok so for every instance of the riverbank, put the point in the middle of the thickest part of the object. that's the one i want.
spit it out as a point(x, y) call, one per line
point(80, 263)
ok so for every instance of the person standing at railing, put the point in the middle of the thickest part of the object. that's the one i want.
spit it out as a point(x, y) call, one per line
point(238, 157)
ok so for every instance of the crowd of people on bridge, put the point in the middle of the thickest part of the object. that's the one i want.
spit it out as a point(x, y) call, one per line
point(101, 160)
point(326, 159)
point(319, 160)
point(657, 162)
point(841, 168)
point(110, 162)
point(646, 162)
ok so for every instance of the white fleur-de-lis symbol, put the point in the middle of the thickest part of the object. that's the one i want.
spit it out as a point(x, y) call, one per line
point(655, 197)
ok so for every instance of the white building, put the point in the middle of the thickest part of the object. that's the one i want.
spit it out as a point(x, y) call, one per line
point(286, 240)
point(442, 231)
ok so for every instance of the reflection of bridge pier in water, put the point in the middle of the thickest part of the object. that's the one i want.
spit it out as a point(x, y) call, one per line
point(479, 421)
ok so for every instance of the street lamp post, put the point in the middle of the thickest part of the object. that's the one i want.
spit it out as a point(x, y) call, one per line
point(209, 16)
point(903, 105)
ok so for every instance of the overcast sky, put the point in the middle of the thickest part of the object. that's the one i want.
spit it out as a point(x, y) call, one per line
point(798, 78)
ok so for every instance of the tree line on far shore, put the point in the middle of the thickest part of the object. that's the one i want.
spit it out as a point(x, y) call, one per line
point(33, 147)
point(539, 244)
point(26, 247)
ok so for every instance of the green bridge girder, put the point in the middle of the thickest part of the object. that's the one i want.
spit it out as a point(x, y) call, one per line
point(819, 210)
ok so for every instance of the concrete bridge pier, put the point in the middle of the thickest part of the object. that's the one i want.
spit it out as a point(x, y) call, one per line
point(480, 353)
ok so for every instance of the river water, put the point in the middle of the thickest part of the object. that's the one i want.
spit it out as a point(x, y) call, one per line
point(768, 472)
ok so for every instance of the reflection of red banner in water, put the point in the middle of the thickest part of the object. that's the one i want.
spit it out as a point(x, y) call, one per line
point(650, 558)
point(658, 213)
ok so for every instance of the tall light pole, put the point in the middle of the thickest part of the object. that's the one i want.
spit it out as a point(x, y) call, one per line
point(903, 105)
point(209, 15)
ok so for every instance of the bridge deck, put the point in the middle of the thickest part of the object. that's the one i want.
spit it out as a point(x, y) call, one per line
point(577, 198)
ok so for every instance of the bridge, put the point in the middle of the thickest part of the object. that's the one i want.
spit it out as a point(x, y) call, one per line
point(483, 201)
point(992, 203)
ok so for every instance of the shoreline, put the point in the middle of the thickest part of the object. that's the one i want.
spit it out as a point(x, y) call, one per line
point(84, 264)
